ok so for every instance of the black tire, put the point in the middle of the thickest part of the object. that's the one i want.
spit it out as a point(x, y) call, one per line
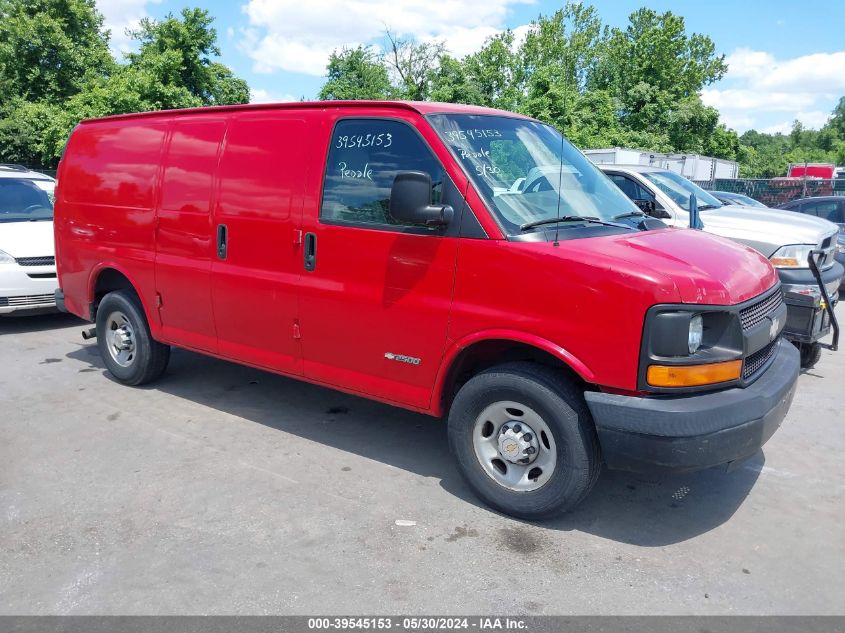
point(561, 406)
point(150, 357)
point(810, 355)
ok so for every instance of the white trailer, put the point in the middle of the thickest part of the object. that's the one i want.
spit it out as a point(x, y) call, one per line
point(692, 166)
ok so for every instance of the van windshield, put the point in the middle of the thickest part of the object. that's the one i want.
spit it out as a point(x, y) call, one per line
point(519, 165)
point(23, 201)
point(680, 189)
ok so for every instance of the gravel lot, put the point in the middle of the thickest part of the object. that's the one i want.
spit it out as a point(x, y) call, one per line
point(225, 490)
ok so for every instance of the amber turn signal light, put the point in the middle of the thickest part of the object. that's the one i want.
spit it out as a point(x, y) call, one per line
point(693, 375)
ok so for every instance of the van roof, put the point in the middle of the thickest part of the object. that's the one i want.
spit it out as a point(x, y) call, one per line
point(421, 107)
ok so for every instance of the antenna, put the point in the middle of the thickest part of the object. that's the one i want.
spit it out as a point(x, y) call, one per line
point(560, 170)
point(559, 185)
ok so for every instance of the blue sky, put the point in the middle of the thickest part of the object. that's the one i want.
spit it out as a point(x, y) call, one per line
point(785, 62)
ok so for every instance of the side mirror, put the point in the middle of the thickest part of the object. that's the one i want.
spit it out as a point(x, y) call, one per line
point(410, 201)
point(694, 218)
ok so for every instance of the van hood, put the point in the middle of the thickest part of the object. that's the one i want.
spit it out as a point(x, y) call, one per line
point(766, 229)
point(27, 239)
point(703, 268)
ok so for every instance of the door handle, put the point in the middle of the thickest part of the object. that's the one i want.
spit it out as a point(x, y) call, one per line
point(310, 257)
point(222, 241)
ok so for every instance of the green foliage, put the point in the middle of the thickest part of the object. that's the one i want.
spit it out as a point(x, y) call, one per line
point(356, 73)
point(49, 49)
point(177, 53)
point(769, 155)
point(55, 69)
point(411, 63)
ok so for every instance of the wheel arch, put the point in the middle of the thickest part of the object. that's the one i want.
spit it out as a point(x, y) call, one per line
point(108, 277)
point(477, 352)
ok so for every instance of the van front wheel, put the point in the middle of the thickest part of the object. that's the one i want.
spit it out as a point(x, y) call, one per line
point(524, 440)
point(123, 338)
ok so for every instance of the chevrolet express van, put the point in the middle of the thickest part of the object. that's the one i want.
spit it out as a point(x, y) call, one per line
point(380, 249)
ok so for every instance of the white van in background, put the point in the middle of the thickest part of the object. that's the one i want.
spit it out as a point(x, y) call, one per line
point(27, 260)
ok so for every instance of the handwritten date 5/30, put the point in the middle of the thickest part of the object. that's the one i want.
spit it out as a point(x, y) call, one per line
point(383, 139)
point(486, 169)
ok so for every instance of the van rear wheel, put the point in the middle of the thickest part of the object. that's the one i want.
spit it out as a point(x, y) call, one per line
point(524, 440)
point(123, 338)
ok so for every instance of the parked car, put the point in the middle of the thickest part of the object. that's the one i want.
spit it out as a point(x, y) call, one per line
point(830, 208)
point(737, 199)
point(379, 248)
point(27, 266)
point(786, 239)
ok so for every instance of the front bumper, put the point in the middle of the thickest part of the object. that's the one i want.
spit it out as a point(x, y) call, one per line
point(28, 288)
point(808, 319)
point(692, 432)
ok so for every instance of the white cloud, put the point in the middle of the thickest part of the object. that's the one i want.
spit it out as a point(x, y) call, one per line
point(259, 95)
point(299, 37)
point(758, 86)
point(750, 99)
point(121, 15)
point(814, 119)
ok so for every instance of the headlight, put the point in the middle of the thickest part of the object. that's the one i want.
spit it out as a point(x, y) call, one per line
point(840, 247)
point(696, 333)
point(5, 258)
point(792, 256)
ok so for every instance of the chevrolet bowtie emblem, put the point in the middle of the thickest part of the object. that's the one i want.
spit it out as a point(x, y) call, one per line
point(774, 329)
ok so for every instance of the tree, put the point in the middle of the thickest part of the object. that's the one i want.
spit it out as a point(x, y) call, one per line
point(412, 64)
point(656, 71)
point(837, 119)
point(174, 67)
point(565, 44)
point(177, 53)
point(356, 73)
point(49, 49)
point(655, 50)
point(451, 83)
point(496, 72)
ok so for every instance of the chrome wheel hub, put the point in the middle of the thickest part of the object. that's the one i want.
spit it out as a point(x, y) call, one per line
point(518, 443)
point(514, 446)
point(120, 339)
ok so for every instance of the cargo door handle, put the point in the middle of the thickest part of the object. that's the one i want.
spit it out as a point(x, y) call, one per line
point(222, 241)
point(310, 251)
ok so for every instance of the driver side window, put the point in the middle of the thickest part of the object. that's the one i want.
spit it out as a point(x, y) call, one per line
point(364, 157)
point(632, 189)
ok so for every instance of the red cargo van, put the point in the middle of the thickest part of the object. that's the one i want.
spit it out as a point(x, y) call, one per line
point(382, 249)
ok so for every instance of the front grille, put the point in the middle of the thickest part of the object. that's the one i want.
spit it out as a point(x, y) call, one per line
point(754, 314)
point(36, 261)
point(755, 361)
point(28, 300)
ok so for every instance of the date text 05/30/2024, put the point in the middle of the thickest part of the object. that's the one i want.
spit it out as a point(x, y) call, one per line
point(417, 623)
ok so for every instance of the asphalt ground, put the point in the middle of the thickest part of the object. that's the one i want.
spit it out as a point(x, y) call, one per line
point(226, 490)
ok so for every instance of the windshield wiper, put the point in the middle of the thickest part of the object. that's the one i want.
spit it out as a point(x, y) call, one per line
point(570, 218)
point(629, 214)
point(702, 207)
